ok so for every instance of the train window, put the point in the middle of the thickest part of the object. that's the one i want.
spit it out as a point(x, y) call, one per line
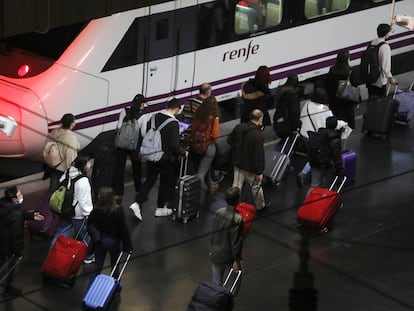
point(317, 8)
point(213, 23)
point(50, 44)
point(256, 15)
point(161, 29)
point(377, 1)
point(128, 53)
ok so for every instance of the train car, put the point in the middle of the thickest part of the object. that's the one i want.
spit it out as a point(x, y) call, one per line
point(94, 69)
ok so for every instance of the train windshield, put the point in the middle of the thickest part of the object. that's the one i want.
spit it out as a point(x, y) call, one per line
point(37, 50)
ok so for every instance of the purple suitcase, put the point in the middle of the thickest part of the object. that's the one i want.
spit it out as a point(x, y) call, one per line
point(349, 165)
point(406, 107)
point(48, 226)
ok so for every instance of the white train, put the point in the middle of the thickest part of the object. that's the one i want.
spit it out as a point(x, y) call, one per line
point(94, 69)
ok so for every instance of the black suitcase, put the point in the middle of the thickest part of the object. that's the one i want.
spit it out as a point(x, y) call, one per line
point(186, 202)
point(211, 297)
point(380, 115)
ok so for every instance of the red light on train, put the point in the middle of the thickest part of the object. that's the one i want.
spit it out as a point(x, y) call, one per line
point(23, 70)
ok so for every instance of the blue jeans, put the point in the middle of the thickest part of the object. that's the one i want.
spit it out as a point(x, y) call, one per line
point(107, 244)
point(65, 229)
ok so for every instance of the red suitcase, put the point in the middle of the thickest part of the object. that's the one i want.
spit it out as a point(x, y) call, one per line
point(64, 260)
point(319, 207)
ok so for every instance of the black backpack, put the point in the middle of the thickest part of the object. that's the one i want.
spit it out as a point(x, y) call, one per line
point(370, 68)
point(319, 150)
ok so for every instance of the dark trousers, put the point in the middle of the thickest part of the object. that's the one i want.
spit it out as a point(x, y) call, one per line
point(376, 91)
point(107, 244)
point(166, 171)
point(121, 157)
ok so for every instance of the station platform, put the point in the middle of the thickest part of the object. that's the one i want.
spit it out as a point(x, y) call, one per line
point(364, 262)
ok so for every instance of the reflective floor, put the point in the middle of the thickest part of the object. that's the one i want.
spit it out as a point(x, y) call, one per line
point(364, 262)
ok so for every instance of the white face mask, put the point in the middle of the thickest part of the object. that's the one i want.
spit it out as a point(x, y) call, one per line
point(20, 201)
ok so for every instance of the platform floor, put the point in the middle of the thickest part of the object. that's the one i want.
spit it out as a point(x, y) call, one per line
point(364, 262)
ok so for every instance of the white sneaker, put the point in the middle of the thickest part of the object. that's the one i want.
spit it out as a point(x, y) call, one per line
point(160, 212)
point(137, 211)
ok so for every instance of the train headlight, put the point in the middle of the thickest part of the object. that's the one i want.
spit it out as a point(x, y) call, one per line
point(23, 70)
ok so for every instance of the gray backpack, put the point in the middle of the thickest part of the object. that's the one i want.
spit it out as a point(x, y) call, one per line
point(128, 135)
point(151, 146)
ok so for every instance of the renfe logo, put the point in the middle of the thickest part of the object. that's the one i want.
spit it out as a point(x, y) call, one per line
point(243, 52)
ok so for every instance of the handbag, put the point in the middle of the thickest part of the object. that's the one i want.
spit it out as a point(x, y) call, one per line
point(346, 91)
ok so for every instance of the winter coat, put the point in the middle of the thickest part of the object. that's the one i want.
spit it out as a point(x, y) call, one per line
point(254, 98)
point(12, 218)
point(227, 238)
point(247, 142)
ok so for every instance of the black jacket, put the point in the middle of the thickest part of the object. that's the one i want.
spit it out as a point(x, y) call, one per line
point(111, 222)
point(254, 98)
point(12, 218)
point(288, 106)
point(335, 147)
point(227, 238)
point(247, 142)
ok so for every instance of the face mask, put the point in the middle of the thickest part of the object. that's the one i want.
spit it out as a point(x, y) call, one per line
point(20, 201)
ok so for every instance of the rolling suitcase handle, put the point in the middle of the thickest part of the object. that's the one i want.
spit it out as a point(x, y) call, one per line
point(389, 89)
point(183, 166)
point(6, 264)
point(80, 229)
point(340, 186)
point(233, 286)
point(295, 138)
point(123, 266)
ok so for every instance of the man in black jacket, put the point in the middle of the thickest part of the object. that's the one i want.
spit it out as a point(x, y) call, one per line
point(247, 142)
point(12, 219)
point(325, 153)
point(227, 238)
point(165, 167)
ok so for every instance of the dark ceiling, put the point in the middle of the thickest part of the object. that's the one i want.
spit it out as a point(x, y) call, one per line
point(21, 16)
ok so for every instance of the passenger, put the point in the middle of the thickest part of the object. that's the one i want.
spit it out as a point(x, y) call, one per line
point(68, 146)
point(82, 200)
point(226, 242)
point(133, 113)
point(108, 230)
point(313, 116)
point(191, 106)
point(12, 219)
point(343, 109)
point(322, 163)
point(324, 4)
point(163, 168)
point(207, 120)
point(247, 141)
point(286, 120)
point(256, 95)
point(378, 88)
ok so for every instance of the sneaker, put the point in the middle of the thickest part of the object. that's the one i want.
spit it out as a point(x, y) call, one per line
point(89, 259)
point(137, 211)
point(161, 212)
point(12, 291)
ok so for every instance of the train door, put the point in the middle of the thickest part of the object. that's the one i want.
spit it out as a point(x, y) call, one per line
point(185, 32)
point(160, 67)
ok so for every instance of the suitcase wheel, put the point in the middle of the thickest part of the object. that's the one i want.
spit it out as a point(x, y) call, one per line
point(324, 230)
point(71, 281)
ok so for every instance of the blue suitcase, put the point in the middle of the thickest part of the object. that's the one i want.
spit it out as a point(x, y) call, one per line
point(103, 288)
